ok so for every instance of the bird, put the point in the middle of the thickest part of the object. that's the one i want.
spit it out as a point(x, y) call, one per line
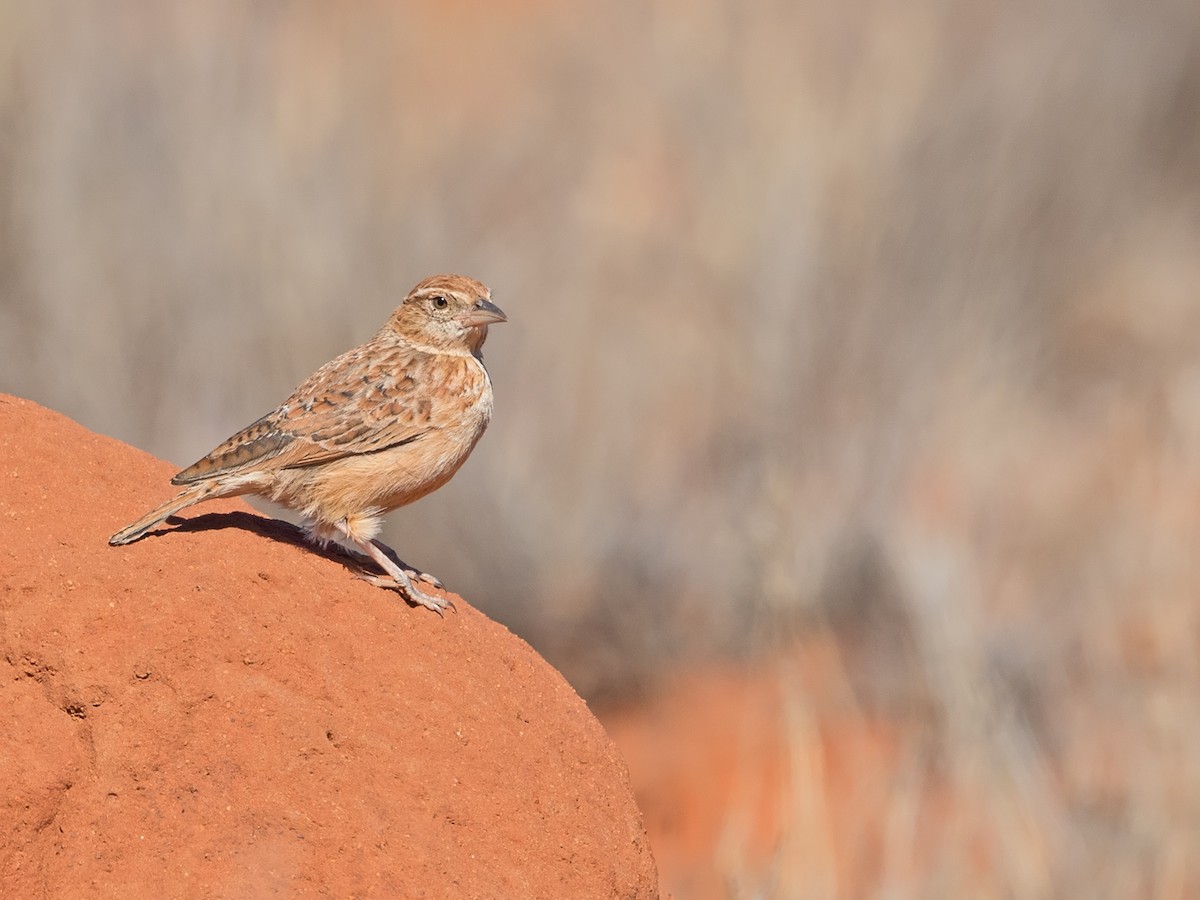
point(379, 427)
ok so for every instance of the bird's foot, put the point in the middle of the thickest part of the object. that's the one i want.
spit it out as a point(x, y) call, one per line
point(407, 569)
point(409, 591)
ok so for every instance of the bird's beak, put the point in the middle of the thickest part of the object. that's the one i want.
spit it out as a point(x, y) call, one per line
point(484, 312)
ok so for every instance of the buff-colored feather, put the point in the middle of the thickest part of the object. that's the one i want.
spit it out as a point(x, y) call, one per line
point(376, 428)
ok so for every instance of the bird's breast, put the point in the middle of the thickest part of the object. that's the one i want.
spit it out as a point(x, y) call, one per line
point(456, 404)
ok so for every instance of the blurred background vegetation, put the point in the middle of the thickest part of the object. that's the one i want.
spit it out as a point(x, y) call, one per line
point(858, 332)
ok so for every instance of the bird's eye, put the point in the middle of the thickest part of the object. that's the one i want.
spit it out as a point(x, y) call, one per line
point(439, 302)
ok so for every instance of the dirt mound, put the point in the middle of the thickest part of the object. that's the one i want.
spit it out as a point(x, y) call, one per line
point(223, 712)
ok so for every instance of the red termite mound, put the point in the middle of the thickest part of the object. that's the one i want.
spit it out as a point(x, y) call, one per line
point(221, 711)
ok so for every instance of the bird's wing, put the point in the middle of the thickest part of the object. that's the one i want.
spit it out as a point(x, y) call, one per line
point(369, 399)
point(258, 441)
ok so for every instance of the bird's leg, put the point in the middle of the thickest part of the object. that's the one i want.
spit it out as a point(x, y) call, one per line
point(410, 572)
point(399, 578)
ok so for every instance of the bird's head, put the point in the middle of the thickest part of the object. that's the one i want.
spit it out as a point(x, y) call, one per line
point(446, 312)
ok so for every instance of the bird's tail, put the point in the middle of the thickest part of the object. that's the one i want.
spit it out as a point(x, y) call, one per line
point(185, 498)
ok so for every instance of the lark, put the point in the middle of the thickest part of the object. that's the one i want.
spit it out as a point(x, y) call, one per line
point(376, 428)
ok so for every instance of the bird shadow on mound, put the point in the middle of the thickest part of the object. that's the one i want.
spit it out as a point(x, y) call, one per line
point(285, 533)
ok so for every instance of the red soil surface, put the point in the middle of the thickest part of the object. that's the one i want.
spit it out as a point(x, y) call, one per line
point(221, 711)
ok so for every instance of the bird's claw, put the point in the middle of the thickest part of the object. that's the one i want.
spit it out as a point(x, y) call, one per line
point(427, 578)
point(410, 592)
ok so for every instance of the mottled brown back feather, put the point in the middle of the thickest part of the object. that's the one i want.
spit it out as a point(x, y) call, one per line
point(324, 419)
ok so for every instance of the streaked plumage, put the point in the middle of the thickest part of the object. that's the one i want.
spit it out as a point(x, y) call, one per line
point(376, 428)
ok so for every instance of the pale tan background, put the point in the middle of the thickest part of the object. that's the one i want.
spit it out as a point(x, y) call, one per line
point(876, 318)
